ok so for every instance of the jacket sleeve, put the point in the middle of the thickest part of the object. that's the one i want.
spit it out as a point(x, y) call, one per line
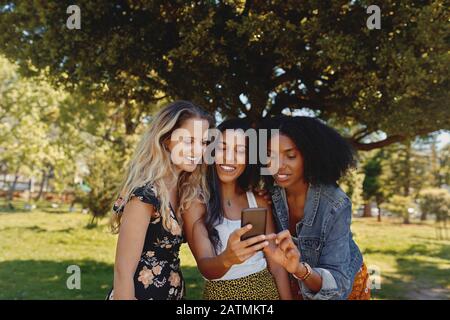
point(334, 260)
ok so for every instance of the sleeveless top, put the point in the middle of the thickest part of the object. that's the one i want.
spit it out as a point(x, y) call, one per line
point(254, 264)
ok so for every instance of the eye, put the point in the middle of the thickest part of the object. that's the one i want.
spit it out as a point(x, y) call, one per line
point(188, 140)
point(241, 150)
point(291, 156)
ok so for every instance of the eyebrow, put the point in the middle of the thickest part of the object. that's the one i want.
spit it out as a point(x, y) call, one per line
point(285, 150)
point(238, 145)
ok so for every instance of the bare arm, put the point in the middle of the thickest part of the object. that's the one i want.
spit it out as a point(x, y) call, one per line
point(134, 224)
point(214, 266)
point(195, 212)
point(284, 251)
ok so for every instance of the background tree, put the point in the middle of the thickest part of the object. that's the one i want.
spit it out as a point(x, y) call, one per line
point(437, 202)
point(252, 58)
point(405, 171)
point(60, 138)
point(400, 206)
point(28, 134)
point(372, 189)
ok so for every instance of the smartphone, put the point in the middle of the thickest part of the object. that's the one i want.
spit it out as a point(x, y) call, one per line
point(257, 217)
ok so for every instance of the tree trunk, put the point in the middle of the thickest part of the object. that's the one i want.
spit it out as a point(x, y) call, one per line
point(4, 185)
point(379, 212)
point(13, 186)
point(367, 210)
point(41, 186)
point(406, 218)
point(423, 216)
point(30, 190)
point(407, 179)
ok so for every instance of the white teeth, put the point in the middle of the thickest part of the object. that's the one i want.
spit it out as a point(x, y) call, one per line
point(191, 158)
point(282, 176)
point(227, 168)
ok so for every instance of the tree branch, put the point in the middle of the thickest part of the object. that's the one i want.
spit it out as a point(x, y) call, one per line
point(246, 10)
point(358, 145)
point(374, 145)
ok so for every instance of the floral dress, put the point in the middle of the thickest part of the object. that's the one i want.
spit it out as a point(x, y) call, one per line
point(158, 275)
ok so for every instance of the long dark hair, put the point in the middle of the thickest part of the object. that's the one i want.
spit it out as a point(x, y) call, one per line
point(214, 207)
point(326, 154)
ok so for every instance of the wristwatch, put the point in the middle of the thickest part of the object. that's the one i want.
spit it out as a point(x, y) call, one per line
point(307, 274)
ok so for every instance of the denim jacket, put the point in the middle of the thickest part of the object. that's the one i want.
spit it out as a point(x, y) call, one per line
point(323, 238)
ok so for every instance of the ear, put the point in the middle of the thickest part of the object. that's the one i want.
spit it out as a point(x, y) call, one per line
point(165, 144)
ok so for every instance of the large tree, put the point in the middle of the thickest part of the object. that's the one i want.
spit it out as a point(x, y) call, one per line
point(253, 58)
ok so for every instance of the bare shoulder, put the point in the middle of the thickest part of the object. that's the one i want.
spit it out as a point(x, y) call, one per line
point(196, 211)
point(262, 202)
point(199, 226)
point(136, 217)
point(136, 208)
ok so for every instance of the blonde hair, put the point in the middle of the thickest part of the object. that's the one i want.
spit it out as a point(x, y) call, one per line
point(151, 163)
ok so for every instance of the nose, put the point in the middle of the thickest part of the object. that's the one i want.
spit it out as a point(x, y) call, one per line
point(198, 148)
point(282, 162)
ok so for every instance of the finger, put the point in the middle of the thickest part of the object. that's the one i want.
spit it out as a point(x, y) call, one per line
point(237, 234)
point(283, 235)
point(286, 244)
point(246, 257)
point(253, 240)
point(291, 253)
point(255, 248)
point(271, 236)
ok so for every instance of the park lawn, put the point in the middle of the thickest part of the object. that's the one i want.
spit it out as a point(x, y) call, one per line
point(36, 248)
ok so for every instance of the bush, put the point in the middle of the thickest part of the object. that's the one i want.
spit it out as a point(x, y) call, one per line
point(435, 201)
point(105, 172)
point(399, 205)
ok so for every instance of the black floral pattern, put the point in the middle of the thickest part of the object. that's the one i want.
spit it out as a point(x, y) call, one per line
point(158, 275)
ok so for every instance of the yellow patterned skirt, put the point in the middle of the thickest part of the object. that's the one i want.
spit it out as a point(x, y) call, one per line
point(257, 286)
point(361, 285)
point(360, 289)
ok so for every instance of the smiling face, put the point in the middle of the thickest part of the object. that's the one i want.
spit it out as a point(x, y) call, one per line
point(286, 161)
point(187, 144)
point(231, 154)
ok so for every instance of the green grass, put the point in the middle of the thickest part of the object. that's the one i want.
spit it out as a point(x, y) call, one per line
point(37, 247)
point(412, 262)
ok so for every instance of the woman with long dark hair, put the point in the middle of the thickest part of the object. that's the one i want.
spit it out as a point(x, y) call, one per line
point(233, 269)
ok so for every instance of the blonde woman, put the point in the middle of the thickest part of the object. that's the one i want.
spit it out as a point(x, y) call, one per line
point(148, 212)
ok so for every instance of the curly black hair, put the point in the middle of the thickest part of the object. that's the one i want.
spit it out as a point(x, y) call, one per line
point(326, 154)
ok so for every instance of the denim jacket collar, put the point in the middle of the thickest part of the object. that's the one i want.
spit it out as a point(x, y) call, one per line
point(311, 205)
